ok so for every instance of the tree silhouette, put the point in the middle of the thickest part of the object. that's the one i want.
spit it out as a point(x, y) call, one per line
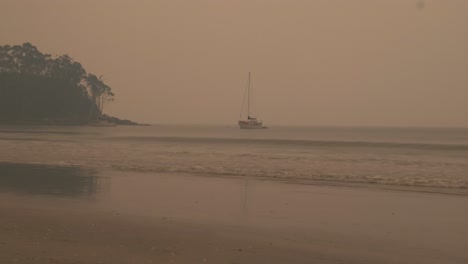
point(100, 91)
point(36, 86)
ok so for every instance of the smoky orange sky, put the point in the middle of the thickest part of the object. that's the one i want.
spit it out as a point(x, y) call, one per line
point(314, 62)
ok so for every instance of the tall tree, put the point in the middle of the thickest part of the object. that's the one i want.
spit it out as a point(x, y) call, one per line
point(7, 62)
point(64, 67)
point(100, 92)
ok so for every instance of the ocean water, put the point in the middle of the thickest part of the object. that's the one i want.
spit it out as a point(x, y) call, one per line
point(416, 158)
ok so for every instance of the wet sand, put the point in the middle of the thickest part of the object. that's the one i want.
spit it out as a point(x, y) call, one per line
point(147, 218)
point(31, 235)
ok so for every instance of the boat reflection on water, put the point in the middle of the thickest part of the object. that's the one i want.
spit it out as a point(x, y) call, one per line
point(39, 179)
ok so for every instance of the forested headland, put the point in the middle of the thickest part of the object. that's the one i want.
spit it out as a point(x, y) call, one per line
point(37, 88)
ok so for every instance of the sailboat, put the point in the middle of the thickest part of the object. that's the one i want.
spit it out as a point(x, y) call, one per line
point(251, 122)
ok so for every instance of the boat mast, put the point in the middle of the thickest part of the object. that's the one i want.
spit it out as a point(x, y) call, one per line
point(243, 99)
point(248, 98)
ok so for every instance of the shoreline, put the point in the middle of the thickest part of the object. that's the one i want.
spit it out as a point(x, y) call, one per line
point(71, 122)
point(454, 191)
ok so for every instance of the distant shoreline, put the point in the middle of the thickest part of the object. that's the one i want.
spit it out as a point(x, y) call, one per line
point(71, 122)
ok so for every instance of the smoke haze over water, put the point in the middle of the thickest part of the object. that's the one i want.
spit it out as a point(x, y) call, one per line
point(367, 62)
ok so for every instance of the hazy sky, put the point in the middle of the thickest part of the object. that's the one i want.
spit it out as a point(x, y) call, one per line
point(314, 62)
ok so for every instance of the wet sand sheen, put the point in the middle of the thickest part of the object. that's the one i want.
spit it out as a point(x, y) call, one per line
point(172, 218)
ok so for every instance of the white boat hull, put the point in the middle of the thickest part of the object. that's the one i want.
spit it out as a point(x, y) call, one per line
point(250, 125)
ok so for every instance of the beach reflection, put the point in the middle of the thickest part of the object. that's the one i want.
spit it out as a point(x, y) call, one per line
point(38, 179)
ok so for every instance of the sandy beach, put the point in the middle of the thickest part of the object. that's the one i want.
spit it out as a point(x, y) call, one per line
point(225, 220)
